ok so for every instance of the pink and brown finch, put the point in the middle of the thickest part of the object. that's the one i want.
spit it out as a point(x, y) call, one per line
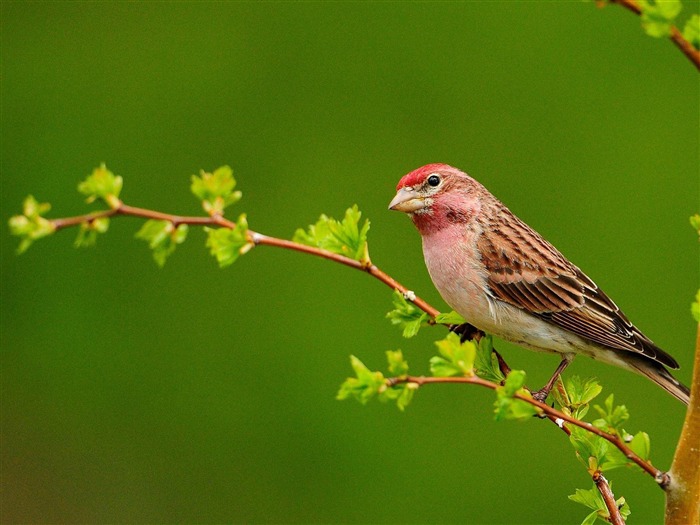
point(505, 279)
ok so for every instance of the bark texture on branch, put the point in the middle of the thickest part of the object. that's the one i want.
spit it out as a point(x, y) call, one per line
point(683, 491)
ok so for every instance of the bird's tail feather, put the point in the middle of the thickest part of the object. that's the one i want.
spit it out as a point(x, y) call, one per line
point(662, 377)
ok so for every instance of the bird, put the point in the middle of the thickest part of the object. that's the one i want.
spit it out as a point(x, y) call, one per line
point(505, 279)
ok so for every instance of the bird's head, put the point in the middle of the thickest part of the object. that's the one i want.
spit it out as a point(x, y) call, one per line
point(436, 196)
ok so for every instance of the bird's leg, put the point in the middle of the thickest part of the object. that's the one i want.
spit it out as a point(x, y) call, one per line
point(542, 393)
point(502, 365)
point(466, 332)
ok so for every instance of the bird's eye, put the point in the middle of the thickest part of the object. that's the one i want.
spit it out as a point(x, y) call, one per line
point(433, 180)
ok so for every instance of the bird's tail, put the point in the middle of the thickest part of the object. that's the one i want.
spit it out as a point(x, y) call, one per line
point(662, 377)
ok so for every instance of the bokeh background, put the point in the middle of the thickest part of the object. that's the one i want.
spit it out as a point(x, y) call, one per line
point(132, 394)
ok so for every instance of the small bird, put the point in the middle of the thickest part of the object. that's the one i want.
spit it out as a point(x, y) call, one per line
point(504, 278)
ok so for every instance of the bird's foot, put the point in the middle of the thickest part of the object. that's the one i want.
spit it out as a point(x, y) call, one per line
point(541, 394)
point(466, 332)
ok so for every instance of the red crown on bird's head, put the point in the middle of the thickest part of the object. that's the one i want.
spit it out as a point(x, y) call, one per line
point(416, 177)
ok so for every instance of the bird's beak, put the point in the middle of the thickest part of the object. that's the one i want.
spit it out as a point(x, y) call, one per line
point(407, 200)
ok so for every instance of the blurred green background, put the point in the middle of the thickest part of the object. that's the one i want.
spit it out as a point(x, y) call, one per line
point(194, 394)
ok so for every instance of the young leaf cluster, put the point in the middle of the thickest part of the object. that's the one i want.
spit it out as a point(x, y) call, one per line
point(486, 363)
point(406, 315)
point(215, 190)
point(227, 244)
point(368, 384)
point(345, 237)
point(162, 237)
point(32, 224)
point(596, 453)
point(103, 185)
point(691, 31)
point(592, 499)
point(89, 230)
point(658, 16)
point(695, 223)
point(456, 359)
point(507, 406)
point(695, 308)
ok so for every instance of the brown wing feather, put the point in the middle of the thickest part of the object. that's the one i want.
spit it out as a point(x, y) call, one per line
point(528, 272)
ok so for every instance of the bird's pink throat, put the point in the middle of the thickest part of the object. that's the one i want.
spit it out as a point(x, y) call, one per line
point(448, 210)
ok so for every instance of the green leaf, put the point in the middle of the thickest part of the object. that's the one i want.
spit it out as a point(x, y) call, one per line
point(440, 367)
point(407, 391)
point(457, 358)
point(575, 394)
point(398, 367)
point(364, 386)
point(215, 189)
point(625, 510)
point(641, 445)
point(102, 184)
point(228, 244)
point(695, 219)
point(611, 417)
point(31, 225)
point(486, 362)
point(592, 499)
point(595, 452)
point(514, 382)
point(406, 315)
point(589, 447)
point(88, 232)
point(590, 519)
point(691, 32)
point(695, 307)
point(658, 16)
point(583, 391)
point(402, 394)
point(507, 406)
point(162, 237)
point(344, 237)
point(450, 318)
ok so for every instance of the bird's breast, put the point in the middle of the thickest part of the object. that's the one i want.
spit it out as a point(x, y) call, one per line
point(455, 266)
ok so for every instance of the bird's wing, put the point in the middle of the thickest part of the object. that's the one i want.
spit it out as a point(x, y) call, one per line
point(526, 271)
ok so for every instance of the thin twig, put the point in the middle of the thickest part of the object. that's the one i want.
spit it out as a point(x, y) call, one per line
point(675, 35)
point(608, 497)
point(686, 47)
point(255, 238)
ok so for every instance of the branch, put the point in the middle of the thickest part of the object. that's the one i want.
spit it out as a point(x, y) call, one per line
point(557, 416)
point(683, 494)
point(604, 488)
point(675, 35)
point(256, 238)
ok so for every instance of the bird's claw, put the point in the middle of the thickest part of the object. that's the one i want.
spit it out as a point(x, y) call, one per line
point(466, 332)
point(541, 395)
